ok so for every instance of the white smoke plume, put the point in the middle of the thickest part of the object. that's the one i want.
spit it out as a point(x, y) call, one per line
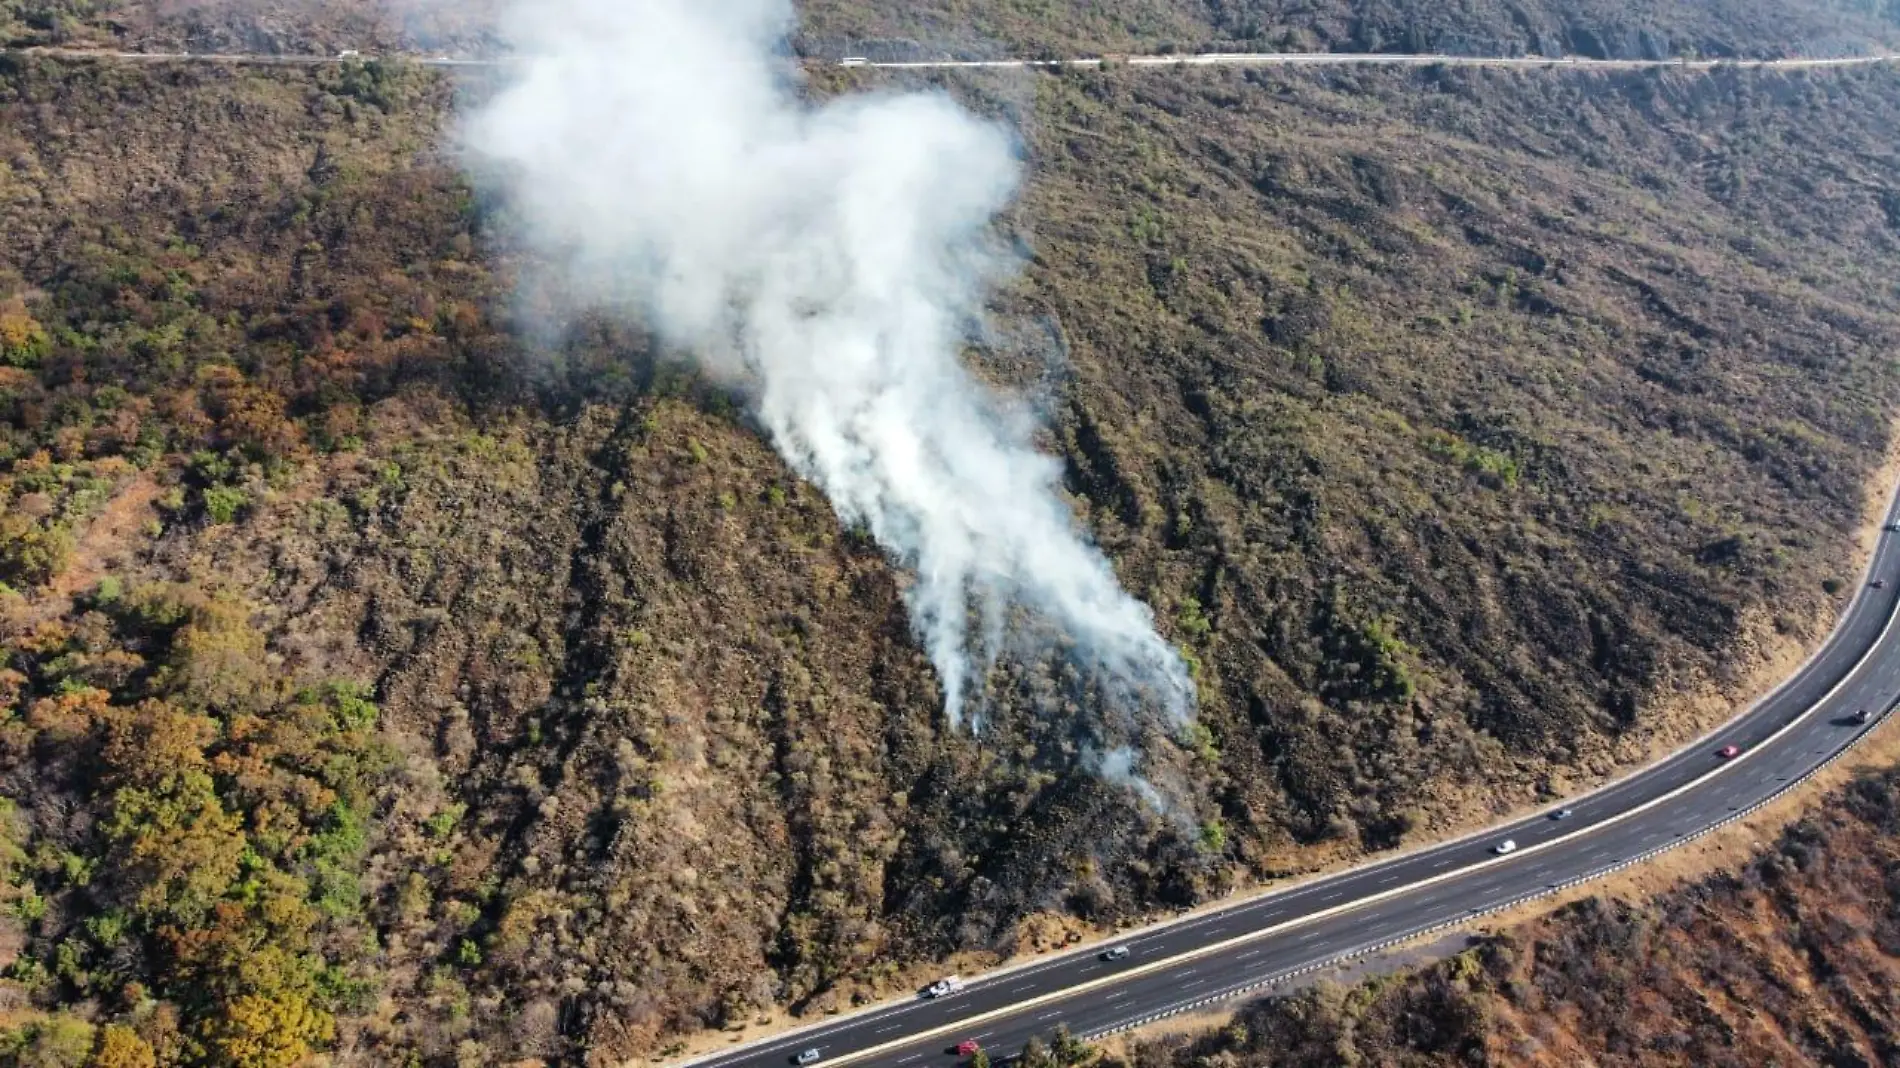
point(835, 258)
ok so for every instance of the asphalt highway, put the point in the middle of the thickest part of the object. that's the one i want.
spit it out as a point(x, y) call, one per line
point(1178, 964)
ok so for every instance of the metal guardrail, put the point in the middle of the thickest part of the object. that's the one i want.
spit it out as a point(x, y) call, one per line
point(1466, 919)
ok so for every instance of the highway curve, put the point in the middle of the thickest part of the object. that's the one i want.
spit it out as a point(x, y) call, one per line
point(1221, 953)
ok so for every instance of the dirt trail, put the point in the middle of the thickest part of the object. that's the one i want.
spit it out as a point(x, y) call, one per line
point(103, 546)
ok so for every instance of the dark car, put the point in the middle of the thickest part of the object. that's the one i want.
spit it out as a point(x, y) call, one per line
point(1561, 814)
point(1880, 584)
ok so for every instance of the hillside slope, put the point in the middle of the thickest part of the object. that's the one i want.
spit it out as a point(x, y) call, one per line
point(930, 29)
point(507, 697)
point(1793, 960)
point(1610, 29)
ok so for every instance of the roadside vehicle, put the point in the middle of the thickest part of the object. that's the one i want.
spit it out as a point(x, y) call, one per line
point(1506, 846)
point(1863, 717)
point(1729, 751)
point(810, 1056)
point(944, 987)
point(1118, 953)
point(1561, 814)
point(967, 1047)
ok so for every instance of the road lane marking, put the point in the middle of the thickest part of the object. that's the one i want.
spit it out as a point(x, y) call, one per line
point(1249, 953)
point(1050, 1015)
point(912, 1057)
point(892, 1027)
point(1020, 989)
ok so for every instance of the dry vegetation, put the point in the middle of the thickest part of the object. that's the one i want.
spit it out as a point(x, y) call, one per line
point(1621, 29)
point(1793, 960)
point(514, 701)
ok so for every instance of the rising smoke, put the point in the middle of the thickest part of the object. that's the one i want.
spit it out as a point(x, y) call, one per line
point(835, 258)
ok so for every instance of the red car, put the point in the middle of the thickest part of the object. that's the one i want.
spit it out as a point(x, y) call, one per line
point(967, 1047)
point(1728, 751)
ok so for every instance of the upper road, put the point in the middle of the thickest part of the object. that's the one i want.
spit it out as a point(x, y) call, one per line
point(1190, 962)
point(1196, 59)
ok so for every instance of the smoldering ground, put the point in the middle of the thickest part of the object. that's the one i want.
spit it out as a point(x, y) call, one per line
point(835, 259)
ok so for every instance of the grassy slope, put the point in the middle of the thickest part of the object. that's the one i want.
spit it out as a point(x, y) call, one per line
point(1789, 961)
point(1453, 422)
point(1631, 29)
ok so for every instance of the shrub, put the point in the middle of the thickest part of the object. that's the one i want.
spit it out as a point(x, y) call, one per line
point(23, 341)
point(223, 503)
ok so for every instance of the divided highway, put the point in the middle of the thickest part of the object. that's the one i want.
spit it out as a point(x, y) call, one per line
point(1186, 963)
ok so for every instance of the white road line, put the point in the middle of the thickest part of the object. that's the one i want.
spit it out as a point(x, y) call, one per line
point(1020, 989)
point(1049, 1015)
point(1204, 59)
point(1249, 953)
point(892, 1027)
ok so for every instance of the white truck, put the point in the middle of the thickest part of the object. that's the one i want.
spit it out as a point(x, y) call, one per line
point(944, 987)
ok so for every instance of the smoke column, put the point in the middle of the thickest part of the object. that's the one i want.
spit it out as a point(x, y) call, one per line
point(836, 258)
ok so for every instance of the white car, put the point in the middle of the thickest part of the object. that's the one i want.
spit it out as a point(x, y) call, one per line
point(810, 1056)
point(944, 987)
point(1506, 846)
